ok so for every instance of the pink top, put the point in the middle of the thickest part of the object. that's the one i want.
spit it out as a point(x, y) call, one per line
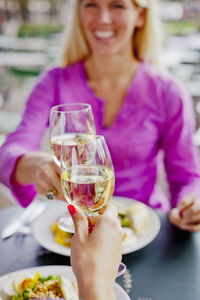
point(156, 115)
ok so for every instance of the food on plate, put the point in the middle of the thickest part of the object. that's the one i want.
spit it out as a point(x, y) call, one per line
point(61, 237)
point(129, 237)
point(25, 286)
point(138, 215)
point(135, 216)
point(134, 220)
point(21, 281)
point(122, 209)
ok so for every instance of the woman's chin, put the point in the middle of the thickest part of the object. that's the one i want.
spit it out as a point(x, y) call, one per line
point(105, 53)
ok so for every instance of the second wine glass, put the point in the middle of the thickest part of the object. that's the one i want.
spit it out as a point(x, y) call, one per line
point(72, 124)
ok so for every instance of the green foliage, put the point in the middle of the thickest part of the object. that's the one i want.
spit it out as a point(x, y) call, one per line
point(39, 30)
point(24, 72)
point(183, 27)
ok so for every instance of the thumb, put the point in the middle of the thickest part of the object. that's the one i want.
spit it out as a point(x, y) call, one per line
point(79, 219)
point(187, 201)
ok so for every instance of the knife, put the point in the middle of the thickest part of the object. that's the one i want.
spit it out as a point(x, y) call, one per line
point(28, 215)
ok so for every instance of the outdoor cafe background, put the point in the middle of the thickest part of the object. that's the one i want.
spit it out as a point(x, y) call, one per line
point(30, 41)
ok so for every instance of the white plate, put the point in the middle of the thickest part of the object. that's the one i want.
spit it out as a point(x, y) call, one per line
point(151, 232)
point(42, 227)
point(57, 270)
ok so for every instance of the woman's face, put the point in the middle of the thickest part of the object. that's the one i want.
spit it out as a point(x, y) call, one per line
point(109, 24)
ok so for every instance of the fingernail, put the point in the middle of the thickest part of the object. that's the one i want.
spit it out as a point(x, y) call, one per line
point(90, 229)
point(71, 209)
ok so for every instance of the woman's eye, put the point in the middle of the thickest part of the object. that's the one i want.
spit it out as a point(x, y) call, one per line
point(118, 6)
point(90, 4)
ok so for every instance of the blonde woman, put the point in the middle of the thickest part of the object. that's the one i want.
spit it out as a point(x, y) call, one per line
point(110, 60)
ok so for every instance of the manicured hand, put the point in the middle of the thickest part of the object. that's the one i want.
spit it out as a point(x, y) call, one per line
point(95, 257)
point(39, 168)
point(48, 177)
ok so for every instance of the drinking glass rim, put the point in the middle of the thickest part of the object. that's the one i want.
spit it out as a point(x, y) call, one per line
point(97, 137)
point(56, 107)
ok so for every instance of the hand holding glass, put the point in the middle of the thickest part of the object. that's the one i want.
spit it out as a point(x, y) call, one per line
point(87, 177)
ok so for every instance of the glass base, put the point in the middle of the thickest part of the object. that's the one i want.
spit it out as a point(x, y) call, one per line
point(66, 224)
point(121, 269)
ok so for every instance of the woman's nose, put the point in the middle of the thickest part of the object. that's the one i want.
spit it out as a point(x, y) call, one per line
point(104, 16)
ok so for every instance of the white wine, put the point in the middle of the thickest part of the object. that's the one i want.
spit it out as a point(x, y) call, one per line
point(70, 140)
point(89, 187)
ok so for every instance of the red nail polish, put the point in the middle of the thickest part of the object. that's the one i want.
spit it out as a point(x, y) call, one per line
point(71, 209)
point(89, 222)
point(90, 229)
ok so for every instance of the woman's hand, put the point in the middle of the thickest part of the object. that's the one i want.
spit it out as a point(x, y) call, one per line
point(48, 178)
point(95, 257)
point(186, 215)
point(39, 168)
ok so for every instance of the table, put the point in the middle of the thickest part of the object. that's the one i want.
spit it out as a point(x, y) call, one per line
point(166, 269)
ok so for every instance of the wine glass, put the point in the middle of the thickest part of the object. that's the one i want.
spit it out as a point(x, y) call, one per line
point(72, 124)
point(87, 177)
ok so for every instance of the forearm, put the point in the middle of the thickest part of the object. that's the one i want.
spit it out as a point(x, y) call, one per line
point(95, 287)
point(92, 293)
point(28, 165)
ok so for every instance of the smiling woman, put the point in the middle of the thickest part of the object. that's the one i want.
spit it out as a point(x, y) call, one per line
point(140, 13)
point(109, 26)
point(110, 60)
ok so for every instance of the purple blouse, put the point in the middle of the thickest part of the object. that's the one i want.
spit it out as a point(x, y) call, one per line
point(156, 115)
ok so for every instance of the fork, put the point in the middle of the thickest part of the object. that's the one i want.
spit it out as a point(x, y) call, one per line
point(144, 298)
point(24, 230)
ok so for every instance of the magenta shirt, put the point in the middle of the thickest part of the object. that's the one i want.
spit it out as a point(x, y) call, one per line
point(156, 115)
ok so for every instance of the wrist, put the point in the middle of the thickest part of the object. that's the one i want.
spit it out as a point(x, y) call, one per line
point(28, 165)
point(97, 295)
point(25, 169)
point(92, 292)
point(13, 178)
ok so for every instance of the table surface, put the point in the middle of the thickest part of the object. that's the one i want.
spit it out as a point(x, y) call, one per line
point(166, 269)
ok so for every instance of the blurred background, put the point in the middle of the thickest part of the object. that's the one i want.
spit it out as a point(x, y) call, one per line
point(31, 39)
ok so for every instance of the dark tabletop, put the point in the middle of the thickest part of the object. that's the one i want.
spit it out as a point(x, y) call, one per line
point(167, 269)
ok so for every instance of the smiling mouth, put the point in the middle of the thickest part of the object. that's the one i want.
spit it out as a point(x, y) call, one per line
point(104, 34)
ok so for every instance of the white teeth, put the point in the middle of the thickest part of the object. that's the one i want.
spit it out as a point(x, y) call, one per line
point(104, 34)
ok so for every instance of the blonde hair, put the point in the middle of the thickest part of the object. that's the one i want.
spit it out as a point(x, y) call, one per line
point(146, 40)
